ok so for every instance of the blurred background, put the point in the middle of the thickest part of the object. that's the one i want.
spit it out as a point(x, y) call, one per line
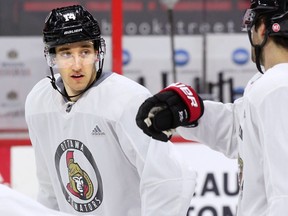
point(155, 43)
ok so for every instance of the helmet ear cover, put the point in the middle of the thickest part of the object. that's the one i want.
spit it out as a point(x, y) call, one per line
point(273, 13)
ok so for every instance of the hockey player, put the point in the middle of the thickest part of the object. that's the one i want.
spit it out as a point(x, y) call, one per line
point(91, 157)
point(253, 128)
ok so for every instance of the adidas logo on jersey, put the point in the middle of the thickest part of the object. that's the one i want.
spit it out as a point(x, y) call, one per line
point(97, 131)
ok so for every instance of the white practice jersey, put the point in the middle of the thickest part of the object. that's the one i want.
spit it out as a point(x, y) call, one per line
point(255, 128)
point(13, 203)
point(93, 159)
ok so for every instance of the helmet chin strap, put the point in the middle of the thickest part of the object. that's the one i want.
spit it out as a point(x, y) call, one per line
point(68, 97)
point(258, 50)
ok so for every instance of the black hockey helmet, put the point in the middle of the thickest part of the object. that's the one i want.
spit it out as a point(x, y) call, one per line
point(276, 12)
point(70, 24)
point(276, 21)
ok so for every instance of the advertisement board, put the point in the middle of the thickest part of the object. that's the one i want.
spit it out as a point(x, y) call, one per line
point(229, 56)
point(148, 59)
point(22, 64)
point(140, 17)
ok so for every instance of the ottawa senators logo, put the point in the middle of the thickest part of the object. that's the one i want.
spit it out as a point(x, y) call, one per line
point(79, 176)
point(79, 184)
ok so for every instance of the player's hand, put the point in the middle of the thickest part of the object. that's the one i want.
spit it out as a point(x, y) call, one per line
point(176, 105)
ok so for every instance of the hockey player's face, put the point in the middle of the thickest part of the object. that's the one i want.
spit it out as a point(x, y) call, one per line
point(76, 64)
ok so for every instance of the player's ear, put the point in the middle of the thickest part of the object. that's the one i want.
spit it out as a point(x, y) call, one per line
point(262, 28)
point(259, 31)
point(97, 55)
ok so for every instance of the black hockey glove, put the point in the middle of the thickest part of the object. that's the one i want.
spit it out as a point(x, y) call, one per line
point(176, 105)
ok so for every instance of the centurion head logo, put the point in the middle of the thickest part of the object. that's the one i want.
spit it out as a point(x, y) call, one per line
point(78, 175)
point(79, 184)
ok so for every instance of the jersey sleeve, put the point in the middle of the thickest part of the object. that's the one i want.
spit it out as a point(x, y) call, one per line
point(16, 203)
point(46, 195)
point(271, 116)
point(166, 182)
point(217, 128)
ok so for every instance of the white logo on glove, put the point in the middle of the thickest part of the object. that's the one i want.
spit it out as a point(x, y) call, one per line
point(187, 92)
